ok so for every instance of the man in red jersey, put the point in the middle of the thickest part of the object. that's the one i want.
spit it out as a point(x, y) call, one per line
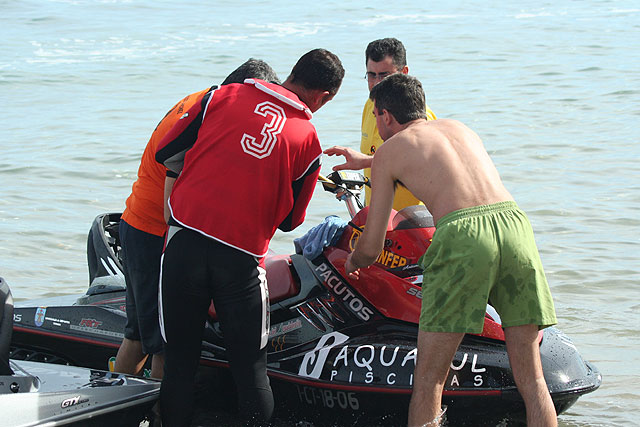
point(142, 230)
point(248, 160)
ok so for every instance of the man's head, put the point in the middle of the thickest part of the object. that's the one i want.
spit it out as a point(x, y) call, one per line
point(384, 57)
point(401, 96)
point(252, 69)
point(316, 78)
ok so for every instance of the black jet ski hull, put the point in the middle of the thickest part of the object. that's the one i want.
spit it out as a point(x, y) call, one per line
point(335, 354)
point(79, 335)
point(356, 372)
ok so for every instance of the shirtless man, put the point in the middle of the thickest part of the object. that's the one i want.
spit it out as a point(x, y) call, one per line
point(483, 247)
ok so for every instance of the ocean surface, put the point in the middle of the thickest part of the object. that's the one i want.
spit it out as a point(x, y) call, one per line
point(553, 88)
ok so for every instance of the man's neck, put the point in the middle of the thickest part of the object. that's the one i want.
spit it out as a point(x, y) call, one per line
point(297, 89)
point(397, 127)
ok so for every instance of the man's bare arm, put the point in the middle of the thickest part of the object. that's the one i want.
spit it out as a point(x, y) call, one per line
point(371, 241)
point(354, 160)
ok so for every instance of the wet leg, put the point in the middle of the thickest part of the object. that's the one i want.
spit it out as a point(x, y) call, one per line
point(524, 356)
point(435, 353)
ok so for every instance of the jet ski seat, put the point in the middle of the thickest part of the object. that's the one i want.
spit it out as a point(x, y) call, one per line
point(279, 278)
point(280, 281)
point(6, 326)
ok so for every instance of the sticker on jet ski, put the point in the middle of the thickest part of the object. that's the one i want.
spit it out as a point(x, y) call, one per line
point(39, 317)
point(92, 326)
point(343, 291)
point(56, 321)
point(386, 257)
point(333, 360)
point(285, 327)
point(72, 402)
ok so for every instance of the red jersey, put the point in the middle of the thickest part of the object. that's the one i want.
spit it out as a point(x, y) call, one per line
point(251, 159)
point(145, 205)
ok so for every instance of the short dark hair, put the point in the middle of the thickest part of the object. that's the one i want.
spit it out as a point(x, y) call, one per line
point(402, 96)
point(252, 69)
point(377, 50)
point(318, 69)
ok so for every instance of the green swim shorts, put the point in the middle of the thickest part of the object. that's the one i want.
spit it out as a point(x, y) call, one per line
point(480, 254)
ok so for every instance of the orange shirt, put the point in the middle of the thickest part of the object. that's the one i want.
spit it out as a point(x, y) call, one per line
point(145, 205)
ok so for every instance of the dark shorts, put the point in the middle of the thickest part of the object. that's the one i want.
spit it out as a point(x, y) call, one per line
point(141, 254)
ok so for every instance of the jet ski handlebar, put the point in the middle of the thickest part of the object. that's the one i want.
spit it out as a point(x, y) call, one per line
point(347, 186)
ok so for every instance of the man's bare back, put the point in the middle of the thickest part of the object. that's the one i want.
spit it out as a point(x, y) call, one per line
point(443, 163)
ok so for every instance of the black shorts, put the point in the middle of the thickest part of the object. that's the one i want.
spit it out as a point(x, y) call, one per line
point(141, 254)
point(195, 270)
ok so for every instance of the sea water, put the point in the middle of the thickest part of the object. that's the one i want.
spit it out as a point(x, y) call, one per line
point(553, 89)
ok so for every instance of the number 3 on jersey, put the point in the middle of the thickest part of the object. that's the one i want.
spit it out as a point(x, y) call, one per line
point(269, 132)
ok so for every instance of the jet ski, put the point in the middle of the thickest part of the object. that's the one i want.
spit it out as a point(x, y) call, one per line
point(341, 351)
point(37, 393)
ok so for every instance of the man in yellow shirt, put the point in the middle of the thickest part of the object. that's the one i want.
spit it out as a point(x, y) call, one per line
point(383, 58)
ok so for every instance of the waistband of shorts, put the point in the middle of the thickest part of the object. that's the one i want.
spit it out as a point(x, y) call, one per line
point(477, 211)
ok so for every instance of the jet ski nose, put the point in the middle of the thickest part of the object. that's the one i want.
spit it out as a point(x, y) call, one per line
point(565, 371)
point(6, 326)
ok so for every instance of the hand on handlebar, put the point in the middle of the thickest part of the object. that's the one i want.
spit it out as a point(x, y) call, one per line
point(354, 160)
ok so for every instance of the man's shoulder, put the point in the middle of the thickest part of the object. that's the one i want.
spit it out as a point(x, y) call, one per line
point(446, 123)
point(407, 138)
point(392, 146)
point(368, 105)
point(199, 94)
point(287, 98)
point(449, 128)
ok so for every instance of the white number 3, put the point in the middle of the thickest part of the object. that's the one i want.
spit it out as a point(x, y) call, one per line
point(269, 132)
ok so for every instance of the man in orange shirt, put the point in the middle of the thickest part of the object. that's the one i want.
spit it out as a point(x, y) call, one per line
point(142, 229)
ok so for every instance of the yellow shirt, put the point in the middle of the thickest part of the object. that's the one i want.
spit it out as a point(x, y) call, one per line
point(369, 144)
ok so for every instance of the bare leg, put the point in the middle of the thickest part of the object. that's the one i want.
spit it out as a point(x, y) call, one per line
point(435, 353)
point(524, 356)
point(130, 358)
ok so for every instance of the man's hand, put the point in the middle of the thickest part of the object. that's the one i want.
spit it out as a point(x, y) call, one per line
point(352, 271)
point(354, 160)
